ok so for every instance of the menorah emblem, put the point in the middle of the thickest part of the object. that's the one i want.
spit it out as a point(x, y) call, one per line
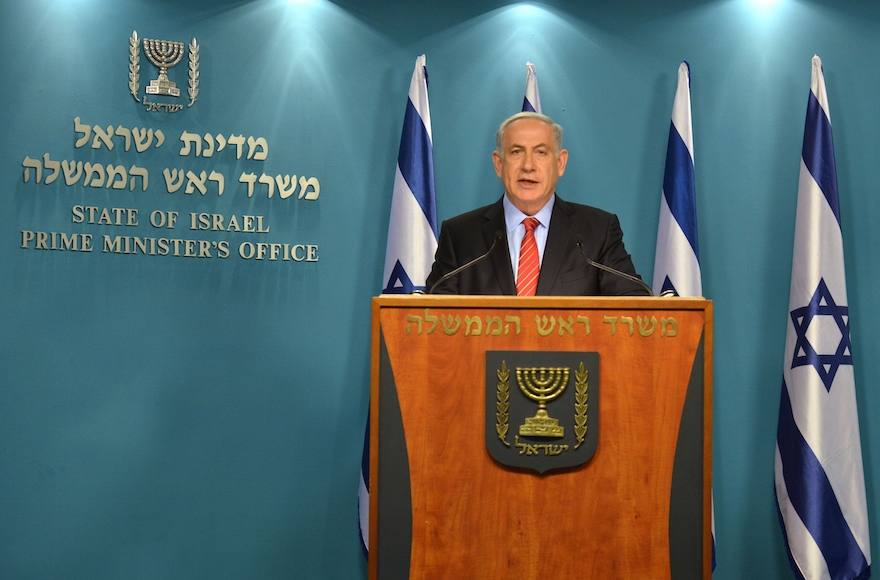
point(542, 385)
point(164, 54)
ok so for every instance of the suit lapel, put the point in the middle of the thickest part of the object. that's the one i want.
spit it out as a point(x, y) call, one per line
point(500, 256)
point(558, 241)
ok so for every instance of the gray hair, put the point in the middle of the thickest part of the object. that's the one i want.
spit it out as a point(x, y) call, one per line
point(499, 135)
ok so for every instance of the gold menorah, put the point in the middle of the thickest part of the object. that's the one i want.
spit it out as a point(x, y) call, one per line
point(164, 54)
point(542, 385)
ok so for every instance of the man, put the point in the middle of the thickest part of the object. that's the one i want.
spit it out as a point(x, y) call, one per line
point(538, 256)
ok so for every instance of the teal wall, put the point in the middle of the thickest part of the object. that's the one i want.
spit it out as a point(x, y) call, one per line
point(174, 417)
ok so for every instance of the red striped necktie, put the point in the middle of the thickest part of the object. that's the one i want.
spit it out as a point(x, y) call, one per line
point(529, 263)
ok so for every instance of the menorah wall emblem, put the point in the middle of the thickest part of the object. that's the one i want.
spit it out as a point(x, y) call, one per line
point(164, 54)
point(542, 385)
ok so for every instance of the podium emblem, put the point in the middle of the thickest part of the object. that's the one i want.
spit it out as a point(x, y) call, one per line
point(542, 408)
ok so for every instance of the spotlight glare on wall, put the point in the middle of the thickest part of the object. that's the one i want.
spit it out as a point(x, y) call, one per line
point(525, 10)
point(764, 5)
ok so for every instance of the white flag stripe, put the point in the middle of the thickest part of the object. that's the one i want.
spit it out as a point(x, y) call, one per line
point(820, 245)
point(418, 94)
point(681, 109)
point(817, 87)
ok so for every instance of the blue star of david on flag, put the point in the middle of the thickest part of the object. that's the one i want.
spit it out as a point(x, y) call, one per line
point(821, 304)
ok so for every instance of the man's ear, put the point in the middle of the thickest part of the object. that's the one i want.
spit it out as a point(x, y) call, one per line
point(561, 160)
point(496, 160)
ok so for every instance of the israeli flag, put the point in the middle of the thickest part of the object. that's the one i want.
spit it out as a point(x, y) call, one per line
point(532, 100)
point(412, 231)
point(677, 258)
point(820, 485)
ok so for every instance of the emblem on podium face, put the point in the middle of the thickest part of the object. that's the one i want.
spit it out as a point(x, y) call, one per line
point(549, 418)
point(542, 384)
point(164, 55)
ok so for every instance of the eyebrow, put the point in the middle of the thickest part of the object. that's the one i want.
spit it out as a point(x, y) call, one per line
point(512, 145)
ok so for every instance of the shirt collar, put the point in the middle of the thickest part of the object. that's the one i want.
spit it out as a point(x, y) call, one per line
point(513, 216)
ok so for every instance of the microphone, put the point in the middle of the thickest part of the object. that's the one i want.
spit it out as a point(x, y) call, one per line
point(579, 240)
point(498, 236)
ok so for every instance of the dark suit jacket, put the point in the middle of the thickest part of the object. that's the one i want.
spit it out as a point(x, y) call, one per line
point(564, 272)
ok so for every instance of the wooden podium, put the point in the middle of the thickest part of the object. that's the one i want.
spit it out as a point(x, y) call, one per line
point(442, 507)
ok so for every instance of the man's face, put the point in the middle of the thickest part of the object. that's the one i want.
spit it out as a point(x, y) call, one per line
point(530, 166)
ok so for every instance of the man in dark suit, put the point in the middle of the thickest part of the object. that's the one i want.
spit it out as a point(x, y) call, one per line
point(537, 232)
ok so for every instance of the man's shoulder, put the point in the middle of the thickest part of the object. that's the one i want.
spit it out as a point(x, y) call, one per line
point(582, 211)
point(478, 215)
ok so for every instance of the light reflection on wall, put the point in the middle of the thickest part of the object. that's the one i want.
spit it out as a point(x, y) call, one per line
point(765, 8)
